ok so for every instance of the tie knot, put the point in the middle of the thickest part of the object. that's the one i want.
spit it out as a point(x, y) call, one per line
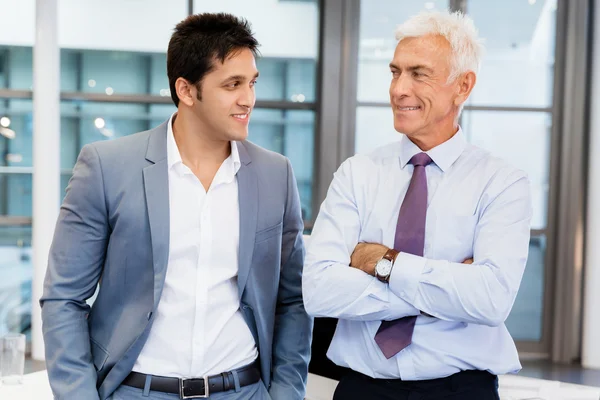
point(421, 159)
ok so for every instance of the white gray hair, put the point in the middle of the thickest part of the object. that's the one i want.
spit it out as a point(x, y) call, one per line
point(457, 28)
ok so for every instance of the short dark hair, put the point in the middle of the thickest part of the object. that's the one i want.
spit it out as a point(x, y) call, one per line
point(201, 39)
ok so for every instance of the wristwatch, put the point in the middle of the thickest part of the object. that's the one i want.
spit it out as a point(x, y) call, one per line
point(383, 268)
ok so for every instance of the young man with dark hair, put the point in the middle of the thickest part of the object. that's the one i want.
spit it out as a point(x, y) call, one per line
point(199, 268)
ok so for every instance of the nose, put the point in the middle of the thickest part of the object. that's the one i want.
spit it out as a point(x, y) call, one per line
point(247, 97)
point(400, 87)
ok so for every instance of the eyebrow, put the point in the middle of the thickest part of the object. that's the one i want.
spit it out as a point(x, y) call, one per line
point(239, 78)
point(412, 68)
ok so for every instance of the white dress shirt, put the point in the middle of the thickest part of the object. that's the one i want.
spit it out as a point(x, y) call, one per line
point(478, 206)
point(198, 328)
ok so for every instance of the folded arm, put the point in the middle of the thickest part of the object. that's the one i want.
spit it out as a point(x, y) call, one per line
point(482, 292)
point(331, 287)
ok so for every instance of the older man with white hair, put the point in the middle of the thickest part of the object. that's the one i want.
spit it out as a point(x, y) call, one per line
point(420, 246)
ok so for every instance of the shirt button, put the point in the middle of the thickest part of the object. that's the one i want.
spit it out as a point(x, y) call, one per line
point(149, 315)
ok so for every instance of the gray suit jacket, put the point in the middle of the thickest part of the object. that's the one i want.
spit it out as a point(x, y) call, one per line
point(113, 228)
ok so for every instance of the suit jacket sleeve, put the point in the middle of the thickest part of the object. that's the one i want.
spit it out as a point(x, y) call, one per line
point(293, 326)
point(74, 266)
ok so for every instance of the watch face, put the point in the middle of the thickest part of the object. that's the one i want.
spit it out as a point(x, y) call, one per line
point(384, 267)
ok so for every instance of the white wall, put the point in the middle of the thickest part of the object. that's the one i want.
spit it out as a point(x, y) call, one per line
point(143, 25)
point(134, 25)
point(284, 29)
point(18, 22)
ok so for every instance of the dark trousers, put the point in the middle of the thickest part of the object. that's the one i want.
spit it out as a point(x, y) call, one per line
point(466, 385)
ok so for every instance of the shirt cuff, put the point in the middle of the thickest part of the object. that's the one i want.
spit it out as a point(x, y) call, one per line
point(406, 276)
point(395, 306)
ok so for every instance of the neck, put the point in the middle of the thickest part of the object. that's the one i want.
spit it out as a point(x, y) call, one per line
point(196, 147)
point(430, 138)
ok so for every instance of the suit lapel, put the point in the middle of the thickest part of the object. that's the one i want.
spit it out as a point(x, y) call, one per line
point(248, 203)
point(156, 187)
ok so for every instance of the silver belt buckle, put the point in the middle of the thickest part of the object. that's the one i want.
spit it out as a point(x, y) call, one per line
point(183, 396)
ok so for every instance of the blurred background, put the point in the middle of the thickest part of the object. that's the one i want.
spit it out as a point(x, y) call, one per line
point(322, 97)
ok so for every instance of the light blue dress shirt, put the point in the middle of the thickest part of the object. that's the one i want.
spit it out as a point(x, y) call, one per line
point(478, 206)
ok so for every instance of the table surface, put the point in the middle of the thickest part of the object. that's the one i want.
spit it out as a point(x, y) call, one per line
point(35, 387)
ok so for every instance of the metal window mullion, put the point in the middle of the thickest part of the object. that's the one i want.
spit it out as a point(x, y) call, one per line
point(570, 215)
point(329, 83)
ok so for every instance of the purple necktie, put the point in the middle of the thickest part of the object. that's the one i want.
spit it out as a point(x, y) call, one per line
point(393, 336)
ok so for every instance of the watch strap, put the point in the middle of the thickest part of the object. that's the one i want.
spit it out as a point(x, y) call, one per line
point(390, 255)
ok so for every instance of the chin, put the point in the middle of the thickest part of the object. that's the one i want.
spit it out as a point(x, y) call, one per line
point(238, 136)
point(405, 129)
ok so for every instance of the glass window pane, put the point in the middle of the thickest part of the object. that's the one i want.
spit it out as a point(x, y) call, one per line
point(525, 319)
point(288, 33)
point(17, 148)
point(15, 142)
point(299, 147)
point(3, 66)
point(159, 83)
point(286, 79)
point(518, 66)
point(523, 140)
point(15, 194)
point(16, 273)
point(374, 128)
point(377, 42)
point(270, 84)
point(114, 72)
point(70, 71)
point(16, 160)
point(16, 67)
point(290, 133)
point(300, 80)
point(70, 126)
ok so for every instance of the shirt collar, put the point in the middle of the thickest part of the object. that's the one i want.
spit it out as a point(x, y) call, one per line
point(174, 156)
point(443, 155)
point(235, 157)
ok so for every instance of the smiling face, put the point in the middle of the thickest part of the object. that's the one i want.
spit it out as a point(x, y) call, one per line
point(423, 102)
point(223, 101)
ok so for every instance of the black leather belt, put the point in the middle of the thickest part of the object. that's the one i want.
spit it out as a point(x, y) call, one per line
point(197, 388)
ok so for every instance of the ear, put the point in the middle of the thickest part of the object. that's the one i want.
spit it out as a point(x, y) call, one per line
point(185, 91)
point(466, 83)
